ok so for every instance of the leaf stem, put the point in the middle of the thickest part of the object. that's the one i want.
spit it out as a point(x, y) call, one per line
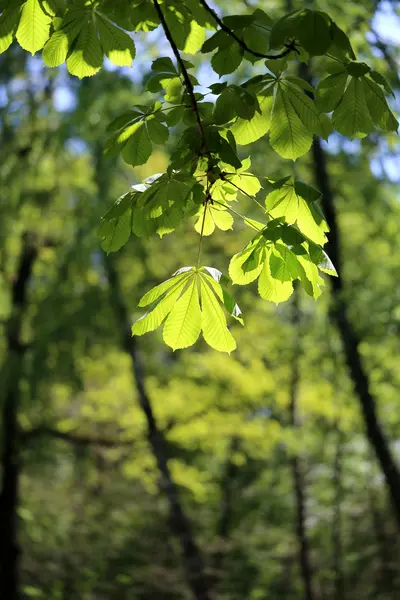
point(246, 194)
point(185, 74)
point(289, 47)
point(201, 234)
point(233, 211)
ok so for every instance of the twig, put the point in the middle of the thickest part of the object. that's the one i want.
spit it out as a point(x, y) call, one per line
point(72, 438)
point(205, 203)
point(185, 74)
point(289, 47)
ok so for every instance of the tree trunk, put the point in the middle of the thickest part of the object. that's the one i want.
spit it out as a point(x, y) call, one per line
point(339, 593)
point(224, 526)
point(180, 525)
point(296, 463)
point(385, 584)
point(11, 377)
point(350, 339)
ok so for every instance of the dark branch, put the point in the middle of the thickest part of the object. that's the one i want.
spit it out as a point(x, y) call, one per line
point(185, 74)
point(71, 438)
point(289, 47)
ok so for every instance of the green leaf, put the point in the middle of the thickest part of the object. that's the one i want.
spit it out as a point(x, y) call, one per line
point(341, 46)
point(116, 44)
point(330, 90)
point(357, 69)
point(195, 39)
point(248, 131)
point(283, 263)
point(158, 311)
point(9, 20)
point(178, 23)
point(378, 78)
point(227, 60)
point(288, 135)
point(294, 202)
point(320, 258)
point(217, 281)
point(160, 290)
point(86, 58)
point(314, 32)
point(216, 216)
point(34, 26)
point(183, 325)
point(378, 107)
point(116, 232)
point(246, 266)
point(213, 322)
point(351, 117)
point(138, 147)
point(273, 289)
point(158, 132)
point(309, 115)
point(284, 29)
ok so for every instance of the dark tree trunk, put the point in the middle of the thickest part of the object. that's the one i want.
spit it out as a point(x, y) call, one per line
point(350, 339)
point(337, 542)
point(179, 522)
point(297, 463)
point(12, 371)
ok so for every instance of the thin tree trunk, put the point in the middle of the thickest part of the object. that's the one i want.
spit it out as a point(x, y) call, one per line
point(11, 377)
point(386, 579)
point(350, 339)
point(296, 463)
point(337, 540)
point(224, 526)
point(179, 522)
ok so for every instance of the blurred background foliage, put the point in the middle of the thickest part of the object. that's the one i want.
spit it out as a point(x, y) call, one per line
point(249, 439)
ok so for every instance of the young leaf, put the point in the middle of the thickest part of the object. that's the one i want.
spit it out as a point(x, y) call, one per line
point(183, 324)
point(213, 322)
point(273, 289)
point(294, 202)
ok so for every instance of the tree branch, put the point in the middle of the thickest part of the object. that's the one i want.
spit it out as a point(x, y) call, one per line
point(185, 74)
point(71, 438)
point(289, 47)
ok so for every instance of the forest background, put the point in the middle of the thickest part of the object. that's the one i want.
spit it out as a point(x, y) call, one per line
point(143, 473)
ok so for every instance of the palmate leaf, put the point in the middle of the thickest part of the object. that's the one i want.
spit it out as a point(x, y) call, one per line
point(278, 255)
point(216, 216)
point(82, 38)
point(288, 113)
point(135, 133)
point(357, 100)
point(295, 202)
point(190, 303)
point(158, 205)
